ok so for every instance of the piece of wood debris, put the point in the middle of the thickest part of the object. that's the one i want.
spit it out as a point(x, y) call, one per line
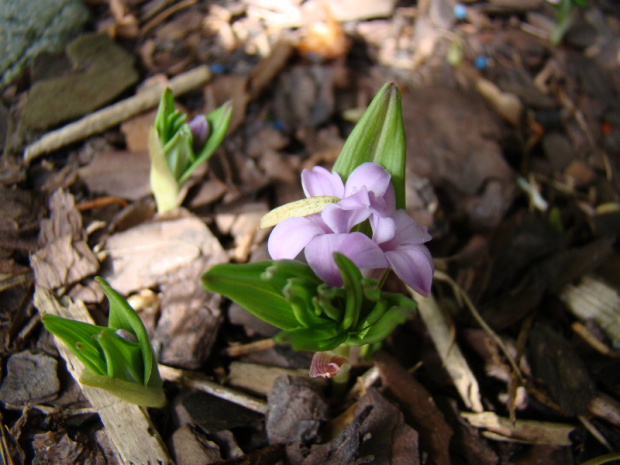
point(200, 382)
point(114, 114)
point(259, 379)
point(595, 300)
point(526, 431)
point(455, 363)
point(128, 426)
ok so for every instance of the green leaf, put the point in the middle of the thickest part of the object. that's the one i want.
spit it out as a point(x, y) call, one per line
point(244, 284)
point(130, 392)
point(382, 328)
point(278, 274)
point(218, 121)
point(179, 153)
point(164, 186)
point(79, 338)
point(300, 296)
point(378, 137)
point(316, 339)
point(122, 316)
point(123, 357)
point(351, 278)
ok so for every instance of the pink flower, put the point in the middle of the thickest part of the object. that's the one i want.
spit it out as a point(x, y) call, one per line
point(397, 240)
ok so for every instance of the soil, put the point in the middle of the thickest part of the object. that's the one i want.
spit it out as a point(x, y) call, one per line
point(513, 158)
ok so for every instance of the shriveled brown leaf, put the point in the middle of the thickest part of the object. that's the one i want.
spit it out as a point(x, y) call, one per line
point(65, 257)
point(563, 373)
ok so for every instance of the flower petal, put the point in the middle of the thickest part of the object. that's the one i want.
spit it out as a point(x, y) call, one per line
point(371, 175)
point(407, 232)
point(383, 228)
point(326, 364)
point(291, 235)
point(320, 181)
point(414, 265)
point(342, 216)
point(357, 247)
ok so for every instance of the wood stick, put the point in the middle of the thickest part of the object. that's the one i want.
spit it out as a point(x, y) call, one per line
point(200, 382)
point(455, 363)
point(114, 114)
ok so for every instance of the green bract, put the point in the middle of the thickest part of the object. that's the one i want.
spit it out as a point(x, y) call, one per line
point(565, 14)
point(312, 315)
point(117, 358)
point(379, 136)
point(172, 149)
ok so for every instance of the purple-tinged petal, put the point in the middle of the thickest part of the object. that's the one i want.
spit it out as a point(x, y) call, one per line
point(320, 181)
point(326, 364)
point(383, 228)
point(357, 247)
point(371, 175)
point(199, 128)
point(290, 236)
point(342, 219)
point(385, 205)
point(408, 232)
point(413, 264)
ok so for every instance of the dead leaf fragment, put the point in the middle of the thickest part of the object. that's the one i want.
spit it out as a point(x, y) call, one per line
point(119, 174)
point(65, 257)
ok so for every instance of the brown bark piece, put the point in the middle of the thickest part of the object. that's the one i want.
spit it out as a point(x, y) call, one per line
point(30, 378)
point(565, 375)
point(296, 411)
point(419, 408)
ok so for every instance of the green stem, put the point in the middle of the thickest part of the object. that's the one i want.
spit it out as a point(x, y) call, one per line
point(341, 380)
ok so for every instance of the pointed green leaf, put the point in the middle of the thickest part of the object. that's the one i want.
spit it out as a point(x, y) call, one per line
point(300, 295)
point(316, 339)
point(278, 274)
point(179, 153)
point(374, 315)
point(164, 186)
point(122, 316)
point(123, 357)
point(382, 328)
point(378, 137)
point(79, 338)
point(243, 284)
point(130, 392)
point(92, 357)
point(218, 121)
point(351, 279)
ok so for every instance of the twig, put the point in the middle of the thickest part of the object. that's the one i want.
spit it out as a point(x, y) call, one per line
point(197, 381)
point(483, 324)
point(528, 431)
point(115, 114)
point(128, 426)
point(100, 202)
point(244, 349)
point(595, 432)
point(452, 357)
point(165, 14)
